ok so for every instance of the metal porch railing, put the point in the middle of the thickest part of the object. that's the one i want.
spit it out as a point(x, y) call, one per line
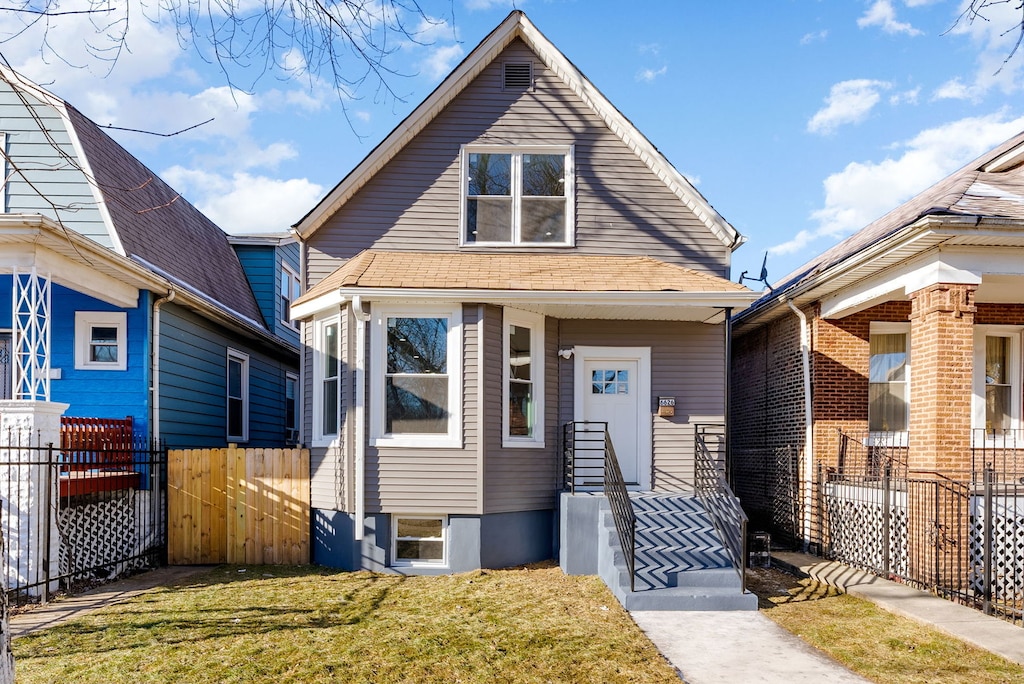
point(590, 462)
point(714, 492)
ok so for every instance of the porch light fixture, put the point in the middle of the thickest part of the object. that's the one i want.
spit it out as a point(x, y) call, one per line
point(565, 353)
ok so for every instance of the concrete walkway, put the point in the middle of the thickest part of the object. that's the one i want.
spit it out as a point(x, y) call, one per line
point(64, 609)
point(710, 647)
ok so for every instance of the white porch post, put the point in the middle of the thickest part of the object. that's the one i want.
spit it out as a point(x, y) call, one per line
point(28, 488)
point(31, 323)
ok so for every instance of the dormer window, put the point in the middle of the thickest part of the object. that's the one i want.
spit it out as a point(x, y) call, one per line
point(517, 196)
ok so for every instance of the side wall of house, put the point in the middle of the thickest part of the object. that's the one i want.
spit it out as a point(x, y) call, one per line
point(413, 202)
point(45, 182)
point(193, 393)
point(98, 393)
point(687, 362)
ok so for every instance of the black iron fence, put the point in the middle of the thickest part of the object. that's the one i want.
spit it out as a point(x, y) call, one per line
point(66, 526)
point(714, 492)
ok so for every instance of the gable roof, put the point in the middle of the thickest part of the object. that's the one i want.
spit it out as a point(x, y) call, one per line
point(517, 25)
point(158, 227)
point(990, 188)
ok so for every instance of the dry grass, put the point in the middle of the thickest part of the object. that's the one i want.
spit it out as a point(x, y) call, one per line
point(308, 624)
point(875, 643)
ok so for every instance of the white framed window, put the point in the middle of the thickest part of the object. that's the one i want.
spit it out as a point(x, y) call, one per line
point(288, 291)
point(517, 195)
point(237, 396)
point(101, 340)
point(996, 401)
point(419, 540)
point(291, 406)
point(523, 379)
point(889, 380)
point(326, 379)
point(416, 376)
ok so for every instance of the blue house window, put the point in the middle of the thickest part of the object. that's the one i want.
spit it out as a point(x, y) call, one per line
point(101, 340)
point(238, 396)
point(288, 291)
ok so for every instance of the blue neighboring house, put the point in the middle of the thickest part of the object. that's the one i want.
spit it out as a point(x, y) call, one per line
point(121, 299)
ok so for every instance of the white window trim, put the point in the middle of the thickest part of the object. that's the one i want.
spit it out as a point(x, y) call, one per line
point(84, 322)
point(319, 438)
point(243, 359)
point(378, 362)
point(535, 322)
point(293, 278)
point(1013, 332)
point(412, 563)
point(570, 192)
point(898, 438)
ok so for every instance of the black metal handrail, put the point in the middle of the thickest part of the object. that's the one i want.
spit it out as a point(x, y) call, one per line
point(590, 462)
point(622, 508)
point(722, 505)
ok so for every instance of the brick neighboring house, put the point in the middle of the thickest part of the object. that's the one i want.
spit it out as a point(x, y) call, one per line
point(900, 347)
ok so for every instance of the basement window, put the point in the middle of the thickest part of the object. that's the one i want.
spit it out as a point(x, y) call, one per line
point(420, 540)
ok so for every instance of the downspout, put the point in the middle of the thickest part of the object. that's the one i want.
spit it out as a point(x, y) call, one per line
point(155, 387)
point(359, 405)
point(807, 461)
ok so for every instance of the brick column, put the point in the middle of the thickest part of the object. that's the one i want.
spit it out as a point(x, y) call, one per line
point(941, 361)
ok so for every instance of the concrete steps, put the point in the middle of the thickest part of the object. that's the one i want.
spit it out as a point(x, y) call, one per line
point(680, 561)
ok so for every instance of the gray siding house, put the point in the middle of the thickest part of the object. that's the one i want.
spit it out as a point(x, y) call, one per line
point(514, 258)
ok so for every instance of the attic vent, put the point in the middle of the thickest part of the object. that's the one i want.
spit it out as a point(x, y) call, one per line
point(517, 76)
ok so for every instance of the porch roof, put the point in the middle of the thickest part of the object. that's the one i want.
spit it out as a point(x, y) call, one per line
point(566, 285)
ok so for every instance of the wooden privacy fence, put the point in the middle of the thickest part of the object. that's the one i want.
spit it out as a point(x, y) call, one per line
point(238, 506)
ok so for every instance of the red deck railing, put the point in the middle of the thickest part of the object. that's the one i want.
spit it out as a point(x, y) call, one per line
point(91, 443)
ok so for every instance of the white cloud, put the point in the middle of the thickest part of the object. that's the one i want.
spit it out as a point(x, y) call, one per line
point(905, 97)
point(648, 75)
point(244, 203)
point(882, 14)
point(441, 61)
point(814, 37)
point(847, 102)
point(955, 89)
point(864, 191)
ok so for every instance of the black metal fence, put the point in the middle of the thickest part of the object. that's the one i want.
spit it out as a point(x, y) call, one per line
point(73, 519)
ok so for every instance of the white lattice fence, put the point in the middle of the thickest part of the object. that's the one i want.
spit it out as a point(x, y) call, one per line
point(855, 524)
point(109, 533)
point(1007, 547)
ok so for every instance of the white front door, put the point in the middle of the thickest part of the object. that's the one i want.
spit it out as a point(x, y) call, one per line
point(612, 386)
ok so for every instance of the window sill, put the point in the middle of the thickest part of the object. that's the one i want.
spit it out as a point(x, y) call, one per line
point(521, 444)
point(416, 441)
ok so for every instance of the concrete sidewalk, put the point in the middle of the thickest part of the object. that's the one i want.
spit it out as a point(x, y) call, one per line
point(67, 608)
point(973, 626)
point(737, 646)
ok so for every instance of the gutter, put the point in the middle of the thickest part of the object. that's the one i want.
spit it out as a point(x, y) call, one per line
point(807, 460)
point(155, 386)
point(359, 457)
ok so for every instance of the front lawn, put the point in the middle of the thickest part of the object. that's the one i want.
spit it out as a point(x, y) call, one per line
point(306, 624)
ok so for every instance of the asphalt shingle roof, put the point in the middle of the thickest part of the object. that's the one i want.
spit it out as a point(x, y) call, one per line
point(510, 271)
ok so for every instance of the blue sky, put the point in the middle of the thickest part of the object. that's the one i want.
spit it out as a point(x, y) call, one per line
point(799, 120)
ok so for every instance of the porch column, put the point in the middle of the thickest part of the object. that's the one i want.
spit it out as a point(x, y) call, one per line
point(28, 489)
point(941, 362)
point(31, 338)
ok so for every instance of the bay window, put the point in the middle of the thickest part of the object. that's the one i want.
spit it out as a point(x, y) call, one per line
point(415, 392)
point(517, 196)
point(326, 379)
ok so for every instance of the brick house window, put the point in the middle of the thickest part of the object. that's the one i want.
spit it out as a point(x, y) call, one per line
point(997, 379)
point(889, 378)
